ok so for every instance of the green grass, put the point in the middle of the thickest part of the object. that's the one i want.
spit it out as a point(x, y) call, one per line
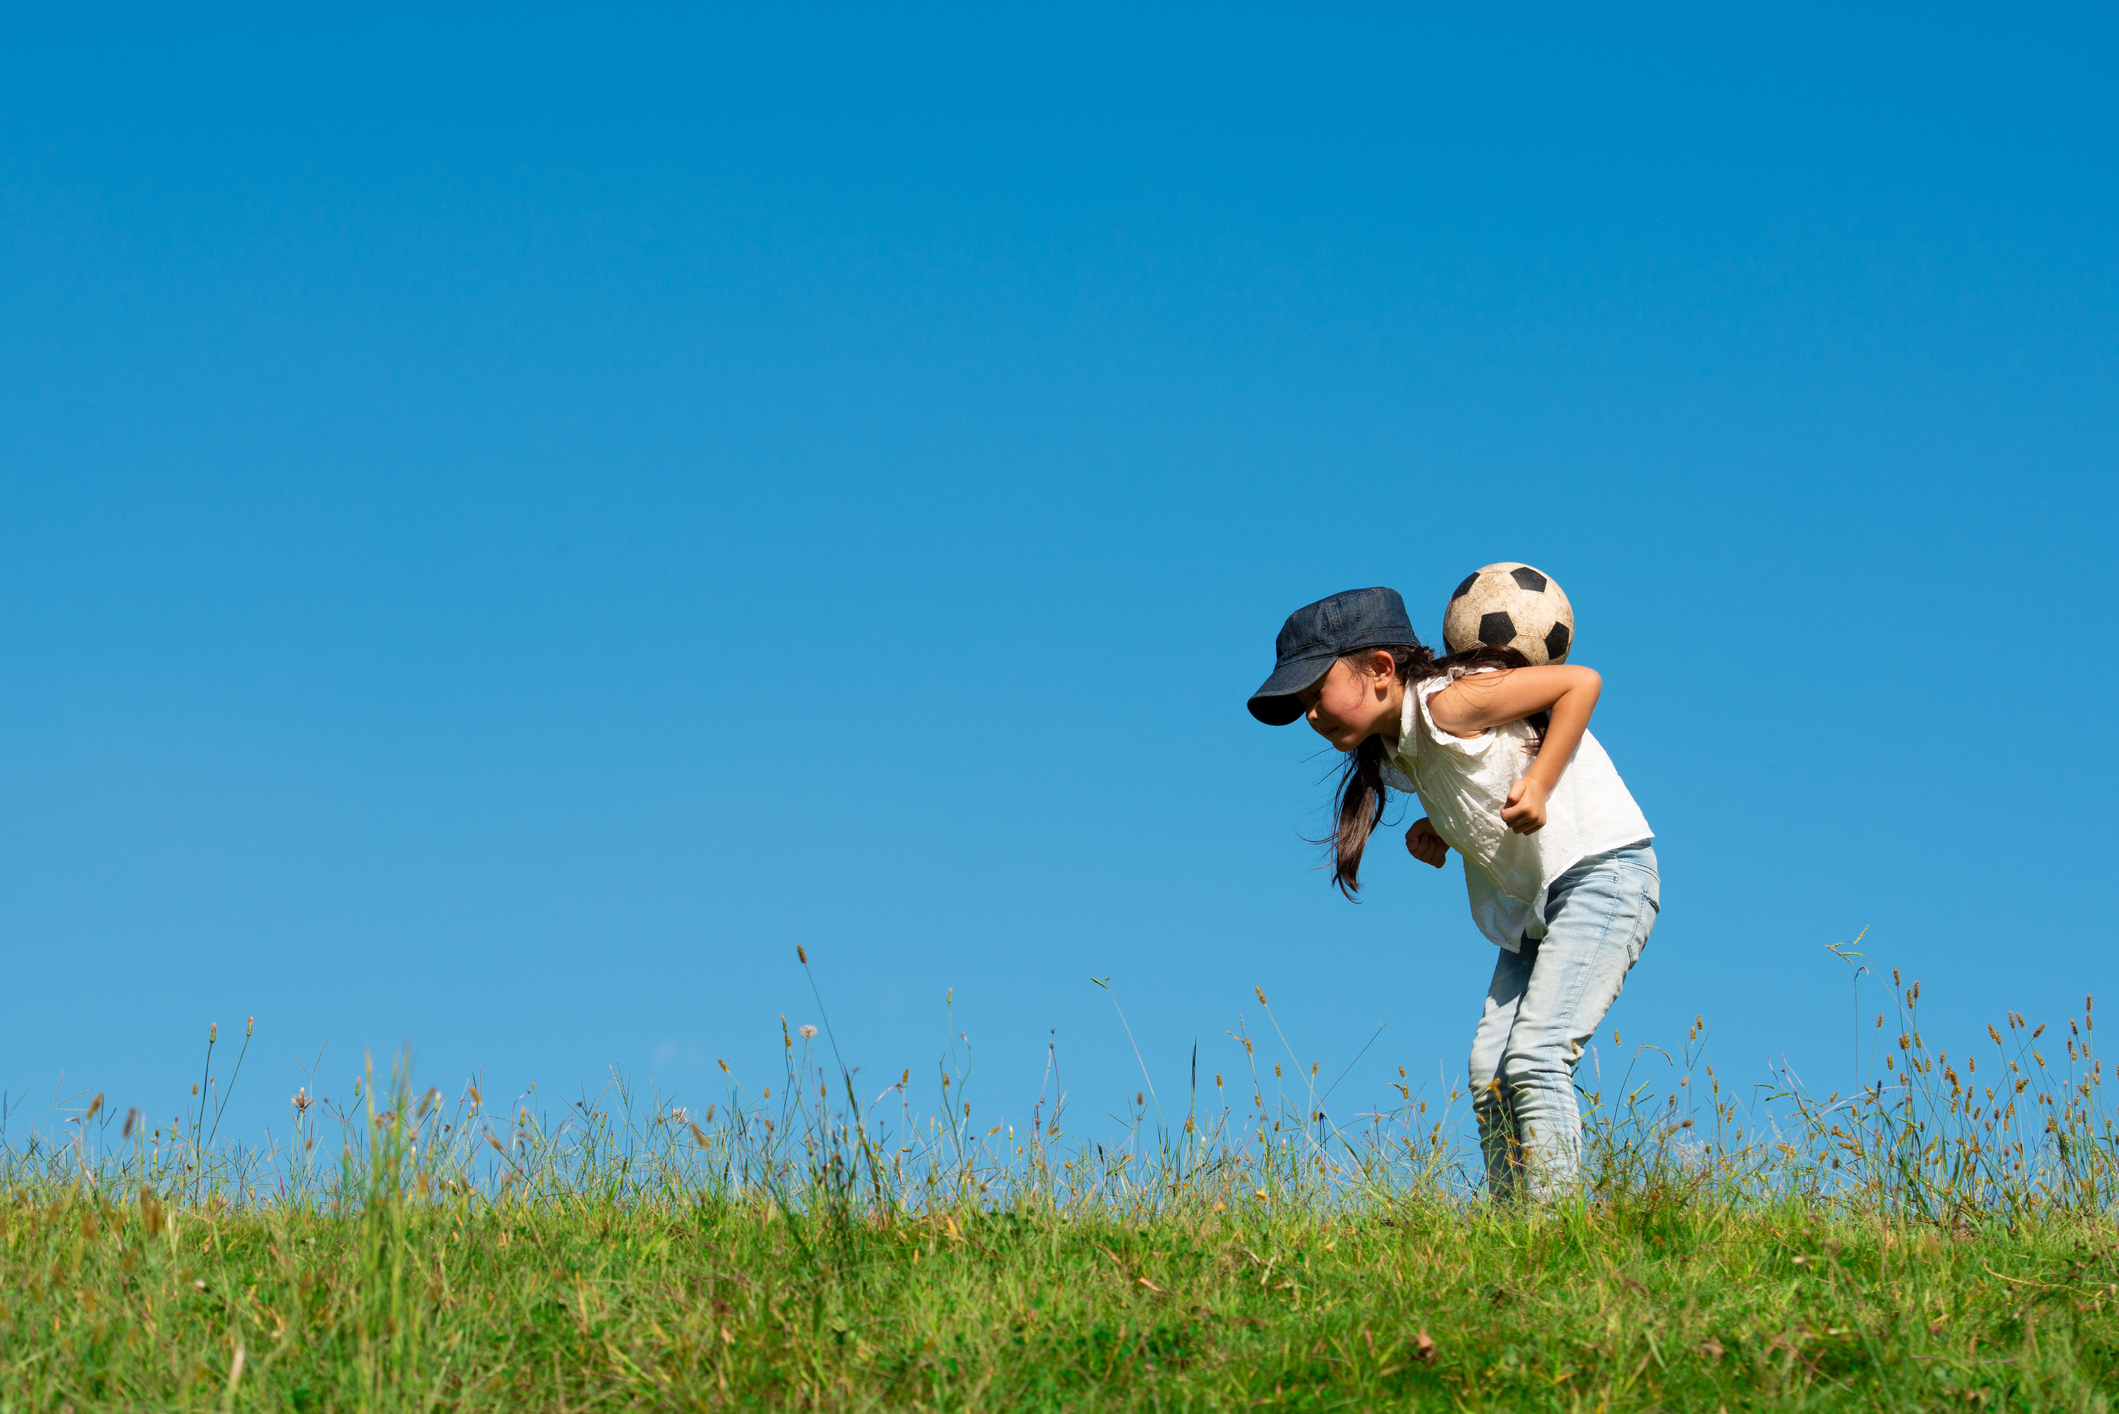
point(1928, 1242)
point(466, 1305)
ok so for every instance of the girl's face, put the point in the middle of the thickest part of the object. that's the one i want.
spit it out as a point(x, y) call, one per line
point(1346, 707)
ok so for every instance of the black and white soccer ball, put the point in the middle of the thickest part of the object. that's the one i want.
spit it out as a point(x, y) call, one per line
point(1510, 606)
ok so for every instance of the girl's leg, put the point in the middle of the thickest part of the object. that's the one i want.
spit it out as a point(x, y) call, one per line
point(1598, 916)
point(1498, 1139)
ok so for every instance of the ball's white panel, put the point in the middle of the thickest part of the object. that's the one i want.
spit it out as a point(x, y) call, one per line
point(1511, 604)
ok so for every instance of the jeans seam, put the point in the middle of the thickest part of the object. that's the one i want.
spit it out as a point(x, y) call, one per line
point(1574, 998)
point(1572, 1003)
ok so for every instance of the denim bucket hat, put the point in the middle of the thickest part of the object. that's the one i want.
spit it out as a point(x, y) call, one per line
point(1318, 634)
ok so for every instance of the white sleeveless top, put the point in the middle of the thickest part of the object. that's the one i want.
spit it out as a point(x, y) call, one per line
point(1464, 781)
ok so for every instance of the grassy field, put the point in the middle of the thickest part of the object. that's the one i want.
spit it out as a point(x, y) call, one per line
point(585, 1305)
point(1931, 1242)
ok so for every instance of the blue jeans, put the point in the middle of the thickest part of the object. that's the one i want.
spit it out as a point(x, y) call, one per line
point(1545, 1004)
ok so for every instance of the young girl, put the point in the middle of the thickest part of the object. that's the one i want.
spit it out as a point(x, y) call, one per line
point(1556, 854)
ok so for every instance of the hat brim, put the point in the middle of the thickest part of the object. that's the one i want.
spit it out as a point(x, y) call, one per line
point(1275, 703)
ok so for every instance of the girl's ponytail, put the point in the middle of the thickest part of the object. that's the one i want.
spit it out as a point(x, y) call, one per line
point(1359, 808)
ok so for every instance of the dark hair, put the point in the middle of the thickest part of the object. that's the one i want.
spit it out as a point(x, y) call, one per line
point(1361, 794)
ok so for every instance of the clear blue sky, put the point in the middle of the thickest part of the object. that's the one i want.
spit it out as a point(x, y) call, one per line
point(510, 521)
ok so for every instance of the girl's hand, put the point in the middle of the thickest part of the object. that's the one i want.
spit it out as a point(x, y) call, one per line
point(1424, 844)
point(1525, 811)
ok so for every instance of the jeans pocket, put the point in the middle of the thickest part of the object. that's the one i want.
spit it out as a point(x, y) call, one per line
point(1647, 881)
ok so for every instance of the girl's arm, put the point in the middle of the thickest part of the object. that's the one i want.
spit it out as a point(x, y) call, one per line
point(1481, 701)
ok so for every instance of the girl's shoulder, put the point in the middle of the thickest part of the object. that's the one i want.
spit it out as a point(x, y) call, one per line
point(1450, 676)
point(1424, 733)
point(1426, 688)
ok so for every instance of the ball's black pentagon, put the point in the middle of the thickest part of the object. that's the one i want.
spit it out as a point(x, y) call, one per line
point(1496, 629)
point(1464, 588)
point(1527, 579)
point(1556, 641)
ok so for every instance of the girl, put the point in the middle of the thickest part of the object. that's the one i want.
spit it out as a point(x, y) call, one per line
point(1557, 856)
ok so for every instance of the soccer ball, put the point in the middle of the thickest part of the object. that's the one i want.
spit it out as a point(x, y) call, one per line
point(1510, 606)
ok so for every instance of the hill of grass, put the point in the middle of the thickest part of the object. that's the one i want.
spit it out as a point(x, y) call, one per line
point(1940, 1238)
point(583, 1304)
